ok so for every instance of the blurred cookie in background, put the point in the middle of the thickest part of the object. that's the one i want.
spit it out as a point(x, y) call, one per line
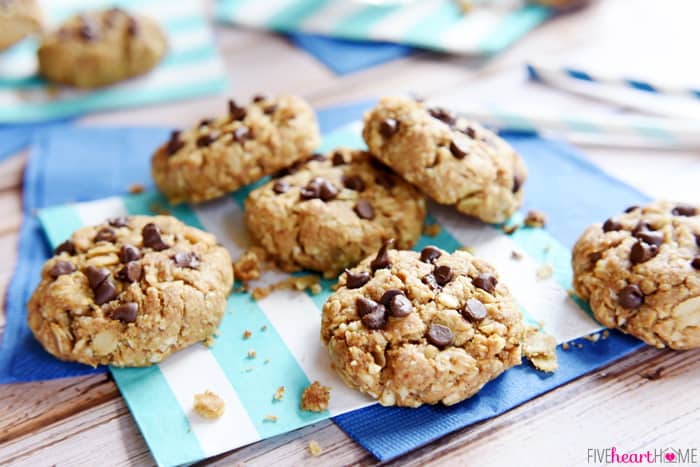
point(18, 19)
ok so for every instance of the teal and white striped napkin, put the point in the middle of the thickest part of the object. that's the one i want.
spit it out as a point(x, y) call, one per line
point(192, 66)
point(285, 326)
point(435, 24)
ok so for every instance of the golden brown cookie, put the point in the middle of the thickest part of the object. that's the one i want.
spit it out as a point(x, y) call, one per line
point(220, 155)
point(333, 211)
point(18, 19)
point(413, 328)
point(452, 160)
point(103, 47)
point(640, 272)
point(130, 292)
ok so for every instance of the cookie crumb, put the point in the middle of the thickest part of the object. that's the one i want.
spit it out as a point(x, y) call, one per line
point(565, 345)
point(516, 255)
point(270, 418)
point(314, 448)
point(249, 264)
point(311, 282)
point(247, 334)
point(261, 292)
point(606, 334)
point(432, 230)
point(653, 375)
point(535, 218)
point(209, 405)
point(509, 229)
point(592, 337)
point(158, 209)
point(249, 369)
point(315, 397)
point(136, 188)
point(210, 341)
point(580, 346)
point(545, 271)
point(541, 349)
point(252, 353)
point(279, 394)
point(263, 328)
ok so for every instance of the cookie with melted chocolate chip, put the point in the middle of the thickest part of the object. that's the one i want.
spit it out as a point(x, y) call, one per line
point(152, 287)
point(640, 272)
point(454, 161)
point(331, 212)
point(219, 155)
point(404, 342)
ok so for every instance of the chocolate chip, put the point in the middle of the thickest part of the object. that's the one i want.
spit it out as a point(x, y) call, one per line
point(382, 261)
point(443, 115)
point(355, 280)
point(364, 209)
point(133, 28)
point(695, 263)
point(258, 98)
point(175, 143)
point(354, 182)
point(281, 186)
point(430, 281)
point(242, 134)
point(443, 274)
point(642, 252)
point(309, 192)
point(60, 268)
point(388, 295)
point(206, 139)
point(485, 282)
point(270, 109)
point(88, 29)
point(365, 305)
point(684, 210)
point(469, 131)
point(105, 234)
point(429, 254)
point(459, 148)
point(96, 276)
point(474, 310)
point(649, 236)
point(611, 225)
point(517, 183)
point(697, 240)
point(338, 158)
point(118, 221)
point(205, 122)
point(131, 272)
point(389, 127)
point(316, 157)
point(440, 336)
point(129, 253)
point(236, 113)
point(630, 297)
point(105, 292)
point(400, 306)
point(631, 208)
point(126, 313)
point(642, 226)
point(65, 247)
point(376, 319)
point(151, 237)
point(292, 169)
point(186, 260)
point(327, 191)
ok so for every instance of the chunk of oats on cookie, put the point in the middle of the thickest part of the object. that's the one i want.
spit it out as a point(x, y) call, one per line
point(209, 405)
point(315, 397)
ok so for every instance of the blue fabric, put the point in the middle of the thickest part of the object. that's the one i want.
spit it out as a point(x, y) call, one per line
point(76, 164)
point(13, 138)
point(347, 56)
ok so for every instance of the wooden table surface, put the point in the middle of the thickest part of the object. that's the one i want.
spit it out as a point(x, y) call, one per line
point(83, 421)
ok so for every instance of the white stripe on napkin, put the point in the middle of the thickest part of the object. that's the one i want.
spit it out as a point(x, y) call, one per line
point(325, 19)
point(397, 24)
point(256, 13)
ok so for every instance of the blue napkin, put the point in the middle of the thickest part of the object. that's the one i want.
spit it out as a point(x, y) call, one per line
point(562, 183)
point(347, 56)
point(13, 138)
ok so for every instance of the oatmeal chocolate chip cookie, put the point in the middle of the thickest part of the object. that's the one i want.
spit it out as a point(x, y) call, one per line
point(98, 48)
point(640, 272)
point(130, 292)
point(18, 19)
point(331, 212)
point(411, 328)
point(220, 155)
point(454, 161)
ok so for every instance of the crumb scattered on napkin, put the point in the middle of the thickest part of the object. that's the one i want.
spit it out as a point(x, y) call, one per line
point(208, 405)
point(535, 218)
point(315, 397)
point(540, 349)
